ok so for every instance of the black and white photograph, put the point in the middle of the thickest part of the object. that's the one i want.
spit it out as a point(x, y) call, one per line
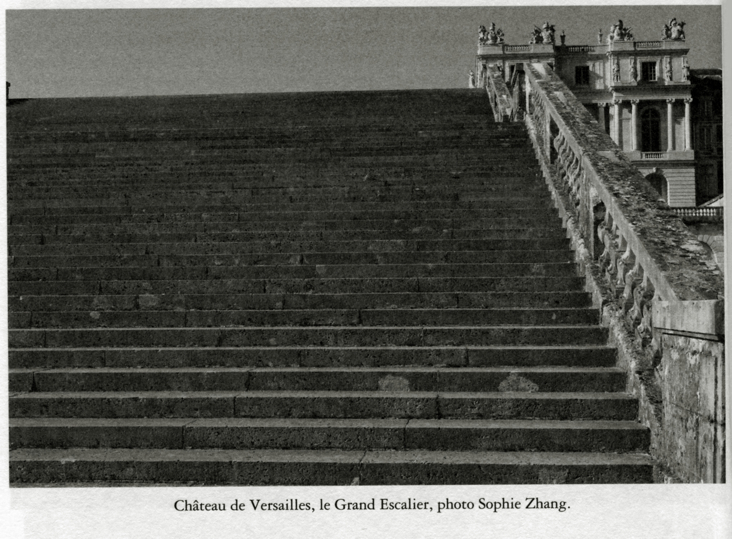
point(299, 269)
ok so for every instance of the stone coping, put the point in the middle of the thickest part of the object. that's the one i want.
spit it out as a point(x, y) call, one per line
point(669, 253)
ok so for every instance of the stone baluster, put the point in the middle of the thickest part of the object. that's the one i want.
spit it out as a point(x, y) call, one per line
point(603, 234)
point(642, 298)
point(632, 280)
point(625, 263)
point(611, 269)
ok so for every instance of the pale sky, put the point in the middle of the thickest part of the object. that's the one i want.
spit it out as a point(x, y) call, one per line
point(100, 52)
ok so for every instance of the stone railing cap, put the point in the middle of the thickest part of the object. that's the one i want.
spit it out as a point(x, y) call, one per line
point(681, 267)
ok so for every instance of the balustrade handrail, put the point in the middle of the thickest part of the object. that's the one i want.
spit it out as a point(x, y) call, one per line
point(637, 233)
point(499, 95)
point(696, 211)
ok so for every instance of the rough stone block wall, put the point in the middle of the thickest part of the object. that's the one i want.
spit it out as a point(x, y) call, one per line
point(692, 379)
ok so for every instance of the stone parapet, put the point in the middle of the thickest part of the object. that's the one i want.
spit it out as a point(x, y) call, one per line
point(660, 293)
point(500, 97)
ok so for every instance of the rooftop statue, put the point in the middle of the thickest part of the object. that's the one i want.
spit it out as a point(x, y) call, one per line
point(492, 36)
point(674, 30)
point(545, 34)
point(618, 32)
point(536, 36)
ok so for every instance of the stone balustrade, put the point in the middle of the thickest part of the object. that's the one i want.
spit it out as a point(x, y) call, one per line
point(499, 95)
point(660, 292)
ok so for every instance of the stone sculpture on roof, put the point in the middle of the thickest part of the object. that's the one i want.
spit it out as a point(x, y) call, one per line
point(492, 36)
point(618, 32)
point(545, 34)
point(674, 30)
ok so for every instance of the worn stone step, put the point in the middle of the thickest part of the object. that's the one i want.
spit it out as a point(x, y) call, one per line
point(145, 204)
point(227, 222)
point(419, 202)
point(326, 467)
point(362, 271)
point(310, 336)
point(313, 434)
point(472, 379)
point(229, 301)
point(278, 356)
point(60, 260)
point(285, 235)
point(352, 189)
point(198, 212)
point(358, 188)
point(376, 246)
point(327, 404)
point(284, 285)
point(302, 317)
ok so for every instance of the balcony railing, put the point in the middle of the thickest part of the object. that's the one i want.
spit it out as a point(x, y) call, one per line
point(648, 44)
point(708, 211)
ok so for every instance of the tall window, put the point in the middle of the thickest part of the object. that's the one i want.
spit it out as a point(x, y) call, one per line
point(582, 75)
point(648, 71)
point(650, 130)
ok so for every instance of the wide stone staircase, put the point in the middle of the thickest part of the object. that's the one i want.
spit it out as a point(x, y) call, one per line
point(317, 288)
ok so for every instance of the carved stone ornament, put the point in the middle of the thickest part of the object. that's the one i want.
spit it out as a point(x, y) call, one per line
point(685, 71)
point(491, 36)
point(667, 74)
point(616, 69)
point(674, 30)
point(618, 32)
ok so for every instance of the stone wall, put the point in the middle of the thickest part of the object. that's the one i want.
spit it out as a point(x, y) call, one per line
point(660, 293)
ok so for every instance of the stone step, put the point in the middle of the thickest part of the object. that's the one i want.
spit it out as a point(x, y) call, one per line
point(327, 404)
point(274, 301)
point(229, 223)
point(355, 189)
point(303, 246)
point(340, 336)
point(285, 179)
point(286, 285)
point(319, 317)
point(313, 434)
point(470, 379)
point(277, 356)
point(106, 214)
point(418, 203)
point(302, 258)
point(325, 467)
point(158, 272)
point(170, 236)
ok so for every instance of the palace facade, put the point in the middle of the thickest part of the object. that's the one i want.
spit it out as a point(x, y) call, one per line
point(641, 93)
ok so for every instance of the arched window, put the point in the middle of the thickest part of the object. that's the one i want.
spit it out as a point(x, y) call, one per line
point(650, 130)
point(659, 183)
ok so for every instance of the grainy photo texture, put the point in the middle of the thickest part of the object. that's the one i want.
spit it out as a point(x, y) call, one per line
point(365, 246)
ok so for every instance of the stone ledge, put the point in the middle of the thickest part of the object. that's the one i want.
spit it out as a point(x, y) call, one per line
point(705, 318)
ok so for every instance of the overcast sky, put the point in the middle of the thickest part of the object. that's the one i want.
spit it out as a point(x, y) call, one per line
point(93, 52)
